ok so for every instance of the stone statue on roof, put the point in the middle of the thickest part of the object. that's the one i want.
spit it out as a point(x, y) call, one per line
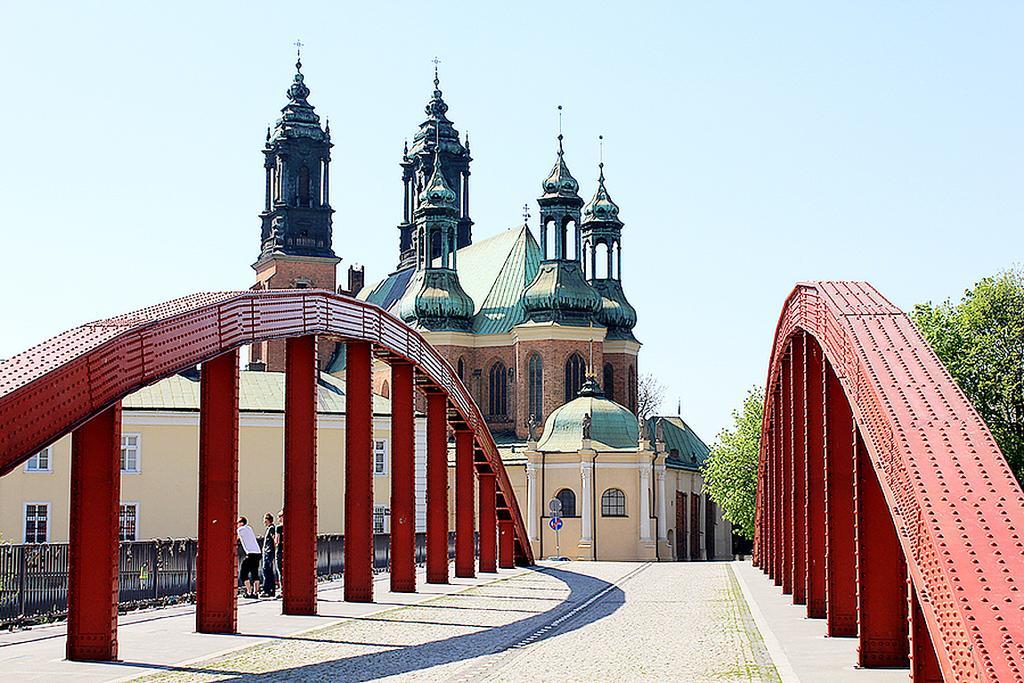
point(531, 427)
point(586, 426)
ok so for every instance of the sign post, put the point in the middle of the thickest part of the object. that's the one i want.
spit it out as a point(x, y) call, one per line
point(555, 506)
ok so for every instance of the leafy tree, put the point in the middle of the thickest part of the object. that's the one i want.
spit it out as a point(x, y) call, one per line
point(730, 473)
point(981, 342)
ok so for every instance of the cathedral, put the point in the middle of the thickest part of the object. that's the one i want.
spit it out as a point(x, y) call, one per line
point(524, 318)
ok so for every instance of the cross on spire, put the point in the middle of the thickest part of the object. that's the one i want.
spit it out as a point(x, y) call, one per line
point(526, 213)
point(436, 61)
point(298, 53)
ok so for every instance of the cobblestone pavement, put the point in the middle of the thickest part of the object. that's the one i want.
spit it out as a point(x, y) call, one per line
point(569, 622)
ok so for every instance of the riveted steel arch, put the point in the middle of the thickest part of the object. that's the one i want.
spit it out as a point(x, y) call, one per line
point(61, 383)
point(956, 509)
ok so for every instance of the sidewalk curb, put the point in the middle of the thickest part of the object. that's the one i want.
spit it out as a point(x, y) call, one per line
point(771, 643)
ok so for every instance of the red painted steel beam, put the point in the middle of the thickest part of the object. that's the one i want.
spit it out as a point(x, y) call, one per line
point(881, 575)
point(840, 545)
point(403, 480)
point(488, 522)
point(814, 478)
point(217, 558)
point(924, 663)
point(767, 497)
point(465, 564)
point(799, 457)
point(358, 584)
point(786, 497)
point(779, 487)
point(506, 544)
point(437, 488)
point(298, 552)
point(59, 384)
point(94, 538)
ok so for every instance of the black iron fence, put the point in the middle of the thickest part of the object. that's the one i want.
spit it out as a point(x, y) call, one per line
point(34, 577)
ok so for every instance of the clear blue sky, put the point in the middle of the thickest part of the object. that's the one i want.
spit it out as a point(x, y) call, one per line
point(749, 145)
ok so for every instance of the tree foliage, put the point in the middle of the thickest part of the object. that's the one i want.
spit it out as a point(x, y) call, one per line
point(981, 342)
point(650, 393)
point(730, 473)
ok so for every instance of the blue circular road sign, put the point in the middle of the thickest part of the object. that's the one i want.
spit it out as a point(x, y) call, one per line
point(555, 523)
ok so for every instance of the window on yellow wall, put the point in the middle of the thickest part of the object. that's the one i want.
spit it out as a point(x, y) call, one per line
point(40, 462)
point(380, 457)
point(37, 522)
point(381, 516)
point(613, 503)
point(129, 521)
point(568, 500)
point(131, 451)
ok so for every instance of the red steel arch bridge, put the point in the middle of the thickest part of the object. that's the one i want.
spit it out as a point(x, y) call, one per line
point(75, 381)
point(884, 504)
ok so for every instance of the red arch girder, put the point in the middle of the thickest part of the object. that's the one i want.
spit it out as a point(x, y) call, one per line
point(53, 387)
point(957, 508)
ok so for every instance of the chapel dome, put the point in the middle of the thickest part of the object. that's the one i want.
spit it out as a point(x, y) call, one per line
point(612, 426)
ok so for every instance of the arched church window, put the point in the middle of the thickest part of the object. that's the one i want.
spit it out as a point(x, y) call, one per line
point(602, 262)
point(460, 368)
point(385, 390)
point(536, 386)
point(575, 374)
point(609, 381)
point(497, 397)
point(632, 388)
point(613, 503)
point(303, 186)
point(568, 500)
point(570, 239)
point(550, 239)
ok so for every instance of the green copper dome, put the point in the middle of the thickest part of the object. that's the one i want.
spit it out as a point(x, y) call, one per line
point(437, 194)
point(559, 293)
point(435, 300)
point(616, 313)
point(560, 182)
point(601, 208)
point(612, 427)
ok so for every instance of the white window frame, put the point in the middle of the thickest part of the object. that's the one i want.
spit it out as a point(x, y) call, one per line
point(385, 515)
point(138, 452)
point(35, 458)
point(24, 521)
point(380, 448)
point(135, 504)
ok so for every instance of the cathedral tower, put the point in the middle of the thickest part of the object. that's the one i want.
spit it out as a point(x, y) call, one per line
point(295, 240)
point(436, 133)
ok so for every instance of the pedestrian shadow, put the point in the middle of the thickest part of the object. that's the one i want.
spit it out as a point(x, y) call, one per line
point(493, 640)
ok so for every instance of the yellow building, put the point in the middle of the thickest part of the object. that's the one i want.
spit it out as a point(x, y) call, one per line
point(622, 497)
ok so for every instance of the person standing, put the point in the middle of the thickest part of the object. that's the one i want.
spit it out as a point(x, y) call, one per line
point(249, 567)
point(269, 546)
point(279, 537)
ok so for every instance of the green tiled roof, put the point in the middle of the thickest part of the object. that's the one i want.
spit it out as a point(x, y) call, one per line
point(690, 450)
point(260, 392)
point(612, 427)
point(493, 272)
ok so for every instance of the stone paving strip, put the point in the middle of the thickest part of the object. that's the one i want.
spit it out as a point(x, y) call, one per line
point(567, 621)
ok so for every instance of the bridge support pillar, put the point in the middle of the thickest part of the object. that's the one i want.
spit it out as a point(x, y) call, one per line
point(465, 564)
point(924, 662)
point(217, 559)
point(488, 522)
point(437, 488)
point(881, 575)
point(506, 544)
point(403, 485)
point(798, 530)
point(358, 473)
point(777, 486)
point(298, 558)
point(840, 551)
point(786, 462)
point(93, 550)
point(815, 482)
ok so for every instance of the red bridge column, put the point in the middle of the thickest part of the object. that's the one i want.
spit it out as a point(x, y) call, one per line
point(506, 544)
point(403, 484)
point(465, 564)
point(881, 575)
point(487, 482)
point(93, 556)
point(815, 482)
point(799, 528)
point(217, 559)
point(787, 472)
point(298, 558)
point(778, 485)
point(358, 473)
point(924, 663)
point(840, 553)
point(774, 437)
point(437, 488)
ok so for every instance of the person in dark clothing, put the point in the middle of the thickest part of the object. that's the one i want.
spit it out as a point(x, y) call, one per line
point(249, 567)
point(269, 546)
point(279, 537)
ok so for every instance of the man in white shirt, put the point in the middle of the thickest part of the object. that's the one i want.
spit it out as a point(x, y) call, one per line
point(249, 567)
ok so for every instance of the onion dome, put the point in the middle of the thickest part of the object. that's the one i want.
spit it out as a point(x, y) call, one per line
point(616, 313)
point(612, 426)
point(435, 300)
point(437, 194)
point(560, 294)
point(560, 182)
point(437, 129)
point(298, 119)
point(601, 208)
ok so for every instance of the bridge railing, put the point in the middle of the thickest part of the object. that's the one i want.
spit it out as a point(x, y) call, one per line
point(34, 576)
